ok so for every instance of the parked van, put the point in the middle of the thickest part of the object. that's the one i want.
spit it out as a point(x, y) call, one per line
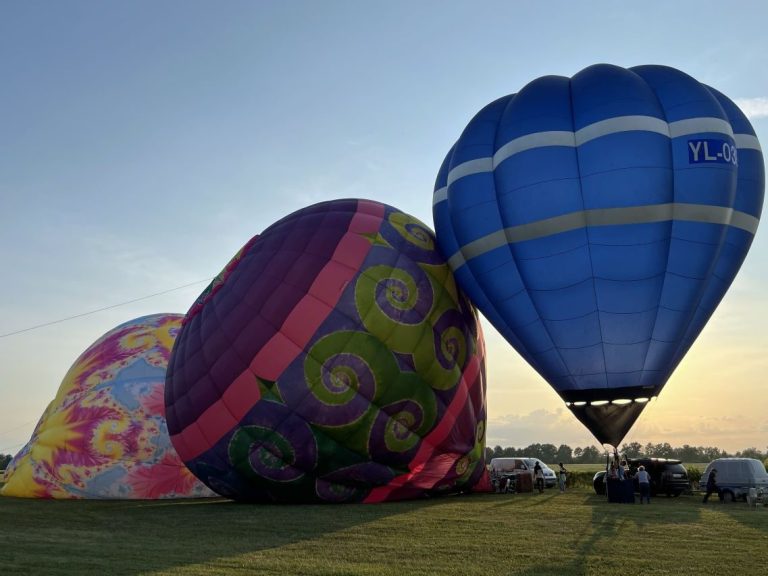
point(501, 469)
point(735, 476)
point(501, 466)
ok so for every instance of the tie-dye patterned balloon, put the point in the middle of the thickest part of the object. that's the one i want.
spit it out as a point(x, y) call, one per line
point(104, 435)
point(333, 360)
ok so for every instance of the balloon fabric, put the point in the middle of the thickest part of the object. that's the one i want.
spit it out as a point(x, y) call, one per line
point(104, 435)
point(597, 221)
point(333, 360)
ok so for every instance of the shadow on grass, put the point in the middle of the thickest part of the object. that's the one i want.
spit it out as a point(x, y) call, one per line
point(131, 538)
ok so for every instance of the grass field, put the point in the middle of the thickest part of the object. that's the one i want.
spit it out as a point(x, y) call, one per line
point(553, 533)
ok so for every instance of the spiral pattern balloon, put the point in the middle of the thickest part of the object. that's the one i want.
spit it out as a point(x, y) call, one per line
point(353, 370)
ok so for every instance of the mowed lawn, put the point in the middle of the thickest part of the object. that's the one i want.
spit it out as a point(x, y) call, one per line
point(559, 534)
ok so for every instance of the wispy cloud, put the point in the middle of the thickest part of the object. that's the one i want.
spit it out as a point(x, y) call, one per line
point(539, 426)
point(753, 107)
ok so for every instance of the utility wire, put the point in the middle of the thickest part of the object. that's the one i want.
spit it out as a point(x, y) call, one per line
point(19, 427)
point(105, 308)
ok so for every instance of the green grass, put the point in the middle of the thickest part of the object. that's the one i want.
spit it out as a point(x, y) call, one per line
point(575, 533)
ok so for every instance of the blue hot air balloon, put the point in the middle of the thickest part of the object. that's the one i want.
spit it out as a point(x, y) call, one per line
point(597, 221)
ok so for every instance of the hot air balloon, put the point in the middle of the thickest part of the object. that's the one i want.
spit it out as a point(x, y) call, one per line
point(597, 221)
point(104, 434)
point(333, 360)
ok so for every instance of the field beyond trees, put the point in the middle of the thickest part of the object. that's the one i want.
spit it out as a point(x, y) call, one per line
point(484, 534)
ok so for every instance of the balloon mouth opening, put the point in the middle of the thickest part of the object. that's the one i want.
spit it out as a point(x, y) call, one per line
point(617, 402)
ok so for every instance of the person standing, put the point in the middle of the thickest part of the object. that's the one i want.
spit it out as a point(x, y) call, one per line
point(562, 476)
point(644, 481)
point(712, 486)
point(538, 474)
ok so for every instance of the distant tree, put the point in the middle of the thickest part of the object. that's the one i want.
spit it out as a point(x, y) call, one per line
point(590, 455)
point(751, 453)
point(688, 453)
point(544, 452)
point(548, 453)
point(5, 459)
point(488, 454)
point(632, 450)
point(563, 454)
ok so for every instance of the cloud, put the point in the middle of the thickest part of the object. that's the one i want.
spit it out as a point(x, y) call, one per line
point(753, 107)
point(540, 426)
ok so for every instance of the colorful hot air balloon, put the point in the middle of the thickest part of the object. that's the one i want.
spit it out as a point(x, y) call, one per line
point(104, 435)
point(332, 360)
point(597, 221)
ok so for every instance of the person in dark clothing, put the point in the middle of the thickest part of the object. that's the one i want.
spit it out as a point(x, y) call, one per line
point(538, 476)
point(712, 486)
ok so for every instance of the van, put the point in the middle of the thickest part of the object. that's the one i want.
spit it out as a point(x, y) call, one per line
point(503, 466)
point(735, 476)
point(501, 469)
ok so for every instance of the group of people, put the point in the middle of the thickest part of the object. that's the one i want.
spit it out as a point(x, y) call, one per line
point(619, 470)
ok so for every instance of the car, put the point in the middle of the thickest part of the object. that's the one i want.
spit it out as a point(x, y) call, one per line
point(550, 478)
point(735, 476)
point(667, 476)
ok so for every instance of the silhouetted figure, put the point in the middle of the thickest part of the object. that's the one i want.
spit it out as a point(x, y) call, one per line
point(644, 481)
point(712, 486)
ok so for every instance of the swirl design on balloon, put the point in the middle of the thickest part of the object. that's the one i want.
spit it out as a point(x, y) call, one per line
point(269, 453)
point(450, 340)
point(402, 295)
point(411, 237)
point(398, 431)
point(275, 446)
point(341, 372)
point(399, 428)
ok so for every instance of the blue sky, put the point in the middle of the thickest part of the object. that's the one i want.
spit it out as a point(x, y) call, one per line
point(142, 143)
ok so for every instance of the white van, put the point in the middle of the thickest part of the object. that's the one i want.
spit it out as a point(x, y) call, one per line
point(506, 466)
point(735, 476)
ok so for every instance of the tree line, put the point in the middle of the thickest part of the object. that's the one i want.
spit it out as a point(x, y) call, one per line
point(593, 455)
point(5, 459)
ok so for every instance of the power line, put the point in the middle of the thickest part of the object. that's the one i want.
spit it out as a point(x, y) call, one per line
point(19, 427)
point(103, 309)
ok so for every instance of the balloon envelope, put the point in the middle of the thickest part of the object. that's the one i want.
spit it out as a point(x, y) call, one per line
point(333, 360)
point(597, 221)
point(104, 435)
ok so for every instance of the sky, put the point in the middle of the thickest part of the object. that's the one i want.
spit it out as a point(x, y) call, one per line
point(143, 143)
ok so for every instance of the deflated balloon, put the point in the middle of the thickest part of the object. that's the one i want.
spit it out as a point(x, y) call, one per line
point(597, 221)
point(332, 360)
point(104, 435)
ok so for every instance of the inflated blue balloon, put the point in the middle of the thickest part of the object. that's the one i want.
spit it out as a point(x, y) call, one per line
point(597, 221)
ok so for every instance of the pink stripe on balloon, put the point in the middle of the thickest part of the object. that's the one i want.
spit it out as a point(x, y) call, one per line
point(288, 342)
point(427, 469)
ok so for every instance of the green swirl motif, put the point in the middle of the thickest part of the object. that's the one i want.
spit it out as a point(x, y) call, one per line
point(413, 230)
point(351, 376)
point(260, 453)
point(413, 331)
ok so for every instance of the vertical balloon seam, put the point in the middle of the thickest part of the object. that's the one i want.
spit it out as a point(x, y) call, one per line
point(746, 141)
point(467, 261)
point(526, 290)
point(663, 111)
point(589, 244)
point(683, 344)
